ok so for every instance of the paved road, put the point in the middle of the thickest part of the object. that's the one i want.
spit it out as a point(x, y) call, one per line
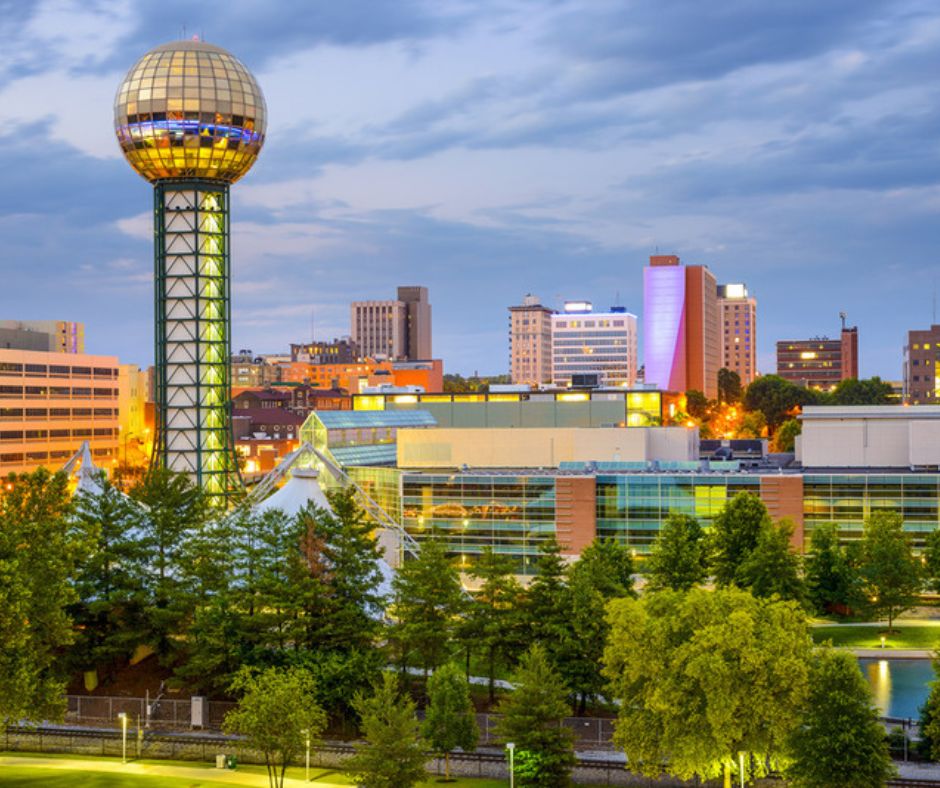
point(221, 777)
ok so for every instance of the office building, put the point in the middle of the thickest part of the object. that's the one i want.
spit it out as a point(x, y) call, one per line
point(51, 402)
point(589, 345)
point(738, 312)
point(190, 119)
point(397, 330)
point(530, 342)
point(336, 351)
point(921, 360)
point(681, 324)
point(57, 336)
point(819, 363)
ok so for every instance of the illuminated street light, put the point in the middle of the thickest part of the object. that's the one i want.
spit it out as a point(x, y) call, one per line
point(511, 746)
point(123, 718)
point(306, 733)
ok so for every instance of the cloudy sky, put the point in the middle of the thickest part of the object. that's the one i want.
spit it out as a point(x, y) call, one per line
point(489, 148)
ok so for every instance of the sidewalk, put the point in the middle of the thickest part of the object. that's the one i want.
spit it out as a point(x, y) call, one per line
point(219, 776)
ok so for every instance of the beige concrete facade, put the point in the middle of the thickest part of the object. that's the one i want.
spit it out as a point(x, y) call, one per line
point(738, 313)
point(887, 436)
point(50, 403)
point(542, 447)
point(62, 336)
point(530, 342)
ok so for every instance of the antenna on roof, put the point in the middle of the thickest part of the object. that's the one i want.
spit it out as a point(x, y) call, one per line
point(842, 316)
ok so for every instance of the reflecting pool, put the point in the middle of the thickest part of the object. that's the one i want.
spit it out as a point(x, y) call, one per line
point(899, 686)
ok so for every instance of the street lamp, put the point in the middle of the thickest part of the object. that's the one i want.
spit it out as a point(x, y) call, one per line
point(511, 746)
point(306, 733)
point(741, 766)
point(123, 718)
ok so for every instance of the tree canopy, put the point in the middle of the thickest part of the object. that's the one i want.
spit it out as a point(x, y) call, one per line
point(735, 534)
point(890, 570)
point(702, 676)
point(679, 558)
point(840, 742)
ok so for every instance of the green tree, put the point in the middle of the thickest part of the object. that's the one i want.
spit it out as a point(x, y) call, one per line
point(110, 611)
point(696, 404)
point(929, 744)
point(873, 391)
point(785, 437)
point(577, 654)
point(776, 399)
point(679, 558)
point(39, 550)
point(773, 567)
point(428, 599)
point(607, 566)
point(493, 617)
point(175, 508)
point(532, 719)
point(450, 721)
point(736, 531)
point(702, 676)
point(752, 425)
point(392, 755)
point(546, 612)
point(839, 742)
point(932, 560)
point(729, 386)
point(890, 571)
point(277, 712)
point(832, 580)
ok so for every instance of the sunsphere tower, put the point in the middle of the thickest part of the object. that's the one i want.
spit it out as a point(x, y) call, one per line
point(190, 118)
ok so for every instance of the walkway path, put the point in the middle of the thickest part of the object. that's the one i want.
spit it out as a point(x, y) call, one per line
point(220, 776)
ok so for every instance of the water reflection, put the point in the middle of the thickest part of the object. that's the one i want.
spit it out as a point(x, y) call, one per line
point(899, 686)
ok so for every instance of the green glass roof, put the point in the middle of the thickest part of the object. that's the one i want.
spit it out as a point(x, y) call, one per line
point(358, 419)
point(379, 454)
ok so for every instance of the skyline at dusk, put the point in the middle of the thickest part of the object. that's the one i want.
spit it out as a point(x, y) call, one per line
point(491, 149)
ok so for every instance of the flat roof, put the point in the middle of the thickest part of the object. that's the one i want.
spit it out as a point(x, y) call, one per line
point(837, 412)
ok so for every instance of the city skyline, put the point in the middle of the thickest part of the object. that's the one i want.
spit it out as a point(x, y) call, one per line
point(487, 152)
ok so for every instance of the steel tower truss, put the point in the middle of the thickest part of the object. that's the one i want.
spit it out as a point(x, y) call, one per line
point(193, 387)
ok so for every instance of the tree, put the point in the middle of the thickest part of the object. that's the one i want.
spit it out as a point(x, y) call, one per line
point(832, 580)
point(545, 610)
point(577, 654)
point(679, 558)
point(696, 404)
point(932, 560)
point(929, 744)
point(862, 392)
point(753, 425)
point(175, 508)
point(392, 755)
point(492, 620)
point(776, 399)
point(607, 566)
point(773, 567)
point(39, 550)
point(785, 437)
point(729, 386)
point(839, 742)
point(890, 571)
point(531, 718)
point(428, 600)
point(450, 721)
point(702, 676)
point(735, 534)
point(110, 612)
point(277, 712)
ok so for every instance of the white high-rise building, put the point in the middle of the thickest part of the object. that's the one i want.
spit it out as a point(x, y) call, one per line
point(585, 342)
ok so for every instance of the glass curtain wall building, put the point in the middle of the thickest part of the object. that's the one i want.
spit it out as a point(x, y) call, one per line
point(190, 119)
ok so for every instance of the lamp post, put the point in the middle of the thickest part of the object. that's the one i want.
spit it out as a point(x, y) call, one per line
point(123, 718)
point(741, 766)
point(306, 733)
point(511, 746)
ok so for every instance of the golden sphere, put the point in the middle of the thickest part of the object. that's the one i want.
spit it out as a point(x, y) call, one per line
point(189, 109)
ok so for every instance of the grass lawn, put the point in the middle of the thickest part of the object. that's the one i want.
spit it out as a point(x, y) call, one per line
point(13, 775)
point(904, 636)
